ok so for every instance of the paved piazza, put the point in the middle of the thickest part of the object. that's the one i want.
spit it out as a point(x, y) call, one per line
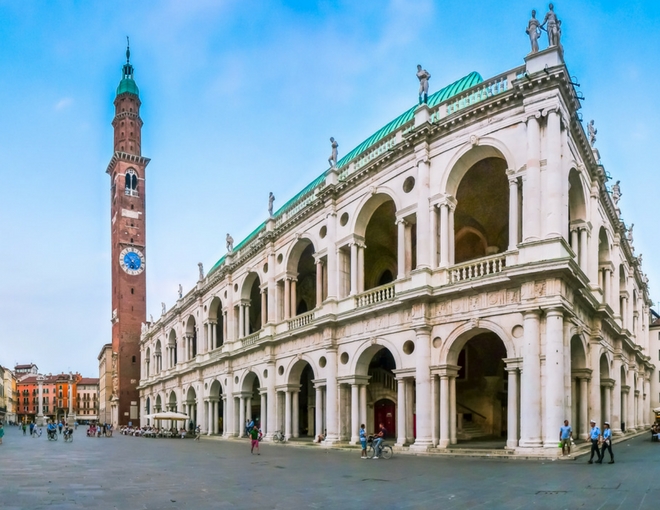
point(183, 474)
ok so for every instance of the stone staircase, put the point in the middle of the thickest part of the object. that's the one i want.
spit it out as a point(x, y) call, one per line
point(470, 430)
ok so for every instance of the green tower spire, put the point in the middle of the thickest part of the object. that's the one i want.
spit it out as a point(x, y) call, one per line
point(127, 84)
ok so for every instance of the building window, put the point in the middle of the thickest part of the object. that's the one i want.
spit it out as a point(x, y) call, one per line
point(131, 183)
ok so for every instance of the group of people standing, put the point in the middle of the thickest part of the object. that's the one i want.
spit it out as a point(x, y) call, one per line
point(601, 442)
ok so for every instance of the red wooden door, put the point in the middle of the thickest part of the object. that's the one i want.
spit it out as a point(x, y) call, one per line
point(385, 413)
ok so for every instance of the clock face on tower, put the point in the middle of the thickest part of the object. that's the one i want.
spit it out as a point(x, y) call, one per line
point(131, 260)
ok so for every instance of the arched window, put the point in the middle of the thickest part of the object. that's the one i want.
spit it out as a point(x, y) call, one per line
point(131, 183)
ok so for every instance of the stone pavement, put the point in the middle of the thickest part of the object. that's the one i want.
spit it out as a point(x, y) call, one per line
point(137, 473)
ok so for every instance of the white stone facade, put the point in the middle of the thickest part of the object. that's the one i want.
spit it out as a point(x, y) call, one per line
point(467, 274)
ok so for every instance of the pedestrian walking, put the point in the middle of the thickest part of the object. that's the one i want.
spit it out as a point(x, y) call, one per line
point(31, 428)
point(594, 435)
point(24, 428)
point(607, 442)
point(363, 441)
point(565, 436)
point(2, 432)
point(198, 432)
point(254, 436)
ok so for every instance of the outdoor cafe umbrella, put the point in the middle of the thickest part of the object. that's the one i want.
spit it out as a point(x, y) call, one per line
point(168, 415)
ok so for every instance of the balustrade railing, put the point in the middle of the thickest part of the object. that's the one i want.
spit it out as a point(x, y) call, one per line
point(250, 340)
point(382, 377)
point(477, 268)
point(301, 320)
point(377, 295)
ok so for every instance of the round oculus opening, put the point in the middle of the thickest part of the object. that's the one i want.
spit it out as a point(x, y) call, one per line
point(322, 362)
point(408, 346)
point(343, 220)
point(280, 370)
point(343, 358)
point(408, 184)
point(323, 232)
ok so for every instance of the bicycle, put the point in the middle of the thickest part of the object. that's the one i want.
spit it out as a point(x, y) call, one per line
point(52, 435)
point(278, 437)
point(68, 436)
point(386, 451)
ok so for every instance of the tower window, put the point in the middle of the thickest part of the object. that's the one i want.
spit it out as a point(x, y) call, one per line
point(131, 183)
point(132, 290)
point(133, 359)
point(131, 207)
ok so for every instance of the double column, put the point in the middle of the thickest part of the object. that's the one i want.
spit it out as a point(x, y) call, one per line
point(554, 401)
point(358, 406)
point(514, 213)
point(447, 407)
point(532, 195)
point(291, 411)
point(290, 297)
point(513, 366)
point(447, 208)
point(530, 382)
point(357, 267)
point(423, 402)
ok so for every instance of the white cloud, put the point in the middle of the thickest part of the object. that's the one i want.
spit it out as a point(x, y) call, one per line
point(63, 104)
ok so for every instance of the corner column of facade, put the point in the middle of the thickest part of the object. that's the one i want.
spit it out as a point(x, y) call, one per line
point(554, 375)
point(401, 248)
point(514, 213)
point(354, 268)
point(530, 382)
point(331, 394)
point(423, 386)
point(331, 219)
point(532, 192)
point(554, 176)
point(423, 212)
point(400, 410)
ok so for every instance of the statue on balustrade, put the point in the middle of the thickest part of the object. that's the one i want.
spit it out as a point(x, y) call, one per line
point(332, 160)
point(271, 199)
point(180, 291)
point(423, 76)
point(616, 192)
point(552, 26)
point(534, 32)
point(230, 244)
point(200, 266)
point(163, 309)
point(629, 235)
point(591, 129)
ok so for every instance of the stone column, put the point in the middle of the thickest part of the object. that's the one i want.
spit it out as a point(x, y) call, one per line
point(615, 416)
point(331, 394)
point(319, 283)
point(410, 407)
point(513, 210)
point(584, 248)
point(209, 416)
point(354, 269)
point(360, 264)
point(248, 408)
point(575, 243)
point(287, 298)
point(318, 419)
point(264, 306)
point(401, 248)
point(452, 239)
point(363, 404)
point(294, 298)
point(433, 239)
point(444, 411)
point(295, 415)
point(271, 401)
point(607, 408)
point(400, 411)
point(332, 255)
point(355, 413)
point(241, 417)
point(246, 320)
point(435, 410)
point(554, 375)
point(584, 399)
point(444, 235)
point(531, 203)
point(272, 289)
point(594, 386)
point(423, 394)
point(554, 177)
point(631, 416)
point(512, 406)
point(530, 383)
point(241, 323)
point(287, 414)
point(423, 215)
point(452, 408)
point(263, 419)
point(224, 326)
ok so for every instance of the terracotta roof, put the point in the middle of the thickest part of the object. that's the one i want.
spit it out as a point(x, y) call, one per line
point(88, 380)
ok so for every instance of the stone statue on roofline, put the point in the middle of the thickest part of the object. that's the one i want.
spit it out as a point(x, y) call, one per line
point(180, 291)
point(151, 318)
point(163, 309)
point(200, 266)
point(534, 32)
point(552, 26)
point(423, 76)
point(230, 244)
point(592, 131)
point(271, 199)
point(629, 235)
point(332, 160)
point(616, 192)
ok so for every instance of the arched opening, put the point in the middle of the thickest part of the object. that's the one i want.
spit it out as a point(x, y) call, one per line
point(172, 403)
point(481, 387)
point(380, 254)
point(172, 350)
point(606, 385)
point(158, 406)
point(190, 338)
point(303, 266)
point(249, 309)
point(604, 264)
point(217, 321)
point(482, 212)
point(131, 182)
point(377, 363)
point(158, 364)
point(216, 408)
point(579, 388)
point(191, 408)
point(251, 400)
point(577, 217)
point(623, 293)
point(147, 408)
point(303, 420)
point(147, 362)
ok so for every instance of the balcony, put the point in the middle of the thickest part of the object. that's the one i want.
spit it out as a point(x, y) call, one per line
point(375, 295)
point(301, 320)
point(478, 268)
point(250, 339)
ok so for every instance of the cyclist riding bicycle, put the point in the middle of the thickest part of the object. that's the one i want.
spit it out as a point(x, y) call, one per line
point(68, 432)
point(378, 439)
point(51, 429)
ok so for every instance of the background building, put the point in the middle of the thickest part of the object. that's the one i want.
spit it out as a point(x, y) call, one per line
point(87, 399)
point(105, 384)
point(10, 395)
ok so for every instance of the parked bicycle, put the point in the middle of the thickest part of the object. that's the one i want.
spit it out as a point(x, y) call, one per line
point(278, 437)
point(386, 451)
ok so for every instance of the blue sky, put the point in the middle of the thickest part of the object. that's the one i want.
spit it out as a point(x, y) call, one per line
point(239, 99)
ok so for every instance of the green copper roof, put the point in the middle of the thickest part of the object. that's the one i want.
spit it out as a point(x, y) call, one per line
point(128, 85)
point(434, 99)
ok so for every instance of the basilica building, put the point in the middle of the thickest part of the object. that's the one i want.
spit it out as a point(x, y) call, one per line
point(463, 273)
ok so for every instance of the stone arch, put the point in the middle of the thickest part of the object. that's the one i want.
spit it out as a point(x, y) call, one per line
point(300, 373)
point(190, 337)
point(578, 352)
point(604, 365)
point(461, 334)
point(190, 395)
point(248, 380)
point(577, 198)
point(468, 155)
point(251, 292)
point(172, 349)
point(172, 401)
point(366, 351)
point(367, 207)
point(216, 314)
point(251, 399)
point(302, 265)
point(603, 246)
point(215, 388)
point(296, 366)
point(147, 363)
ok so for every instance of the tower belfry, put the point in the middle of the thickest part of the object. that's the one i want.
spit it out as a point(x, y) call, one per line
point(128, 241)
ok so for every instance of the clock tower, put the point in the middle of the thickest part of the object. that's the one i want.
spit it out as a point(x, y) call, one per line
point(128, 237)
